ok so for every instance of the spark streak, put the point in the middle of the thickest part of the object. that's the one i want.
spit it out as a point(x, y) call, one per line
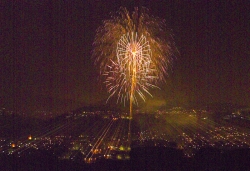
point(134, 52)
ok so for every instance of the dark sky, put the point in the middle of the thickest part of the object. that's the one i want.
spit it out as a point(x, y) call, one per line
point(45, 49)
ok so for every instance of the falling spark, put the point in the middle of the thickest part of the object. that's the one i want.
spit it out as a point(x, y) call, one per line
point(134, 53)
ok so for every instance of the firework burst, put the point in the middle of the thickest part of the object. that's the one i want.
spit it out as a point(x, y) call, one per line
point(134, 52)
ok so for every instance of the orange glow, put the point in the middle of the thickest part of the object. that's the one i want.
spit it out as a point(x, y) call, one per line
point(89, 160)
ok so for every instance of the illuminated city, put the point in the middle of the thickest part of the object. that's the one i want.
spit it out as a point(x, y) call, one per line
point(104, 134)
point(152, 85)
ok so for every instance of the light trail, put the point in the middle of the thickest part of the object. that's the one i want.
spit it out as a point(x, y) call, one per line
point(134, 51)
point(99, 140)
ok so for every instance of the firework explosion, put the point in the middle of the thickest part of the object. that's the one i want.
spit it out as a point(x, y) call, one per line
point(134, 53)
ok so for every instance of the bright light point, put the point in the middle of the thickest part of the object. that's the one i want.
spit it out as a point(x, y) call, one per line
point(136, 57)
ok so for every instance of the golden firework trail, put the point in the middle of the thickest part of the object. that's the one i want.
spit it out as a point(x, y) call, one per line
point(134, 52)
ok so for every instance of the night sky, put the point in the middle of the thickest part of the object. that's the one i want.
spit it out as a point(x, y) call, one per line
point(45, 52)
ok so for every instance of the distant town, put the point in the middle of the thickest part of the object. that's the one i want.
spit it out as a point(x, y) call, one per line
point(90, 135)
